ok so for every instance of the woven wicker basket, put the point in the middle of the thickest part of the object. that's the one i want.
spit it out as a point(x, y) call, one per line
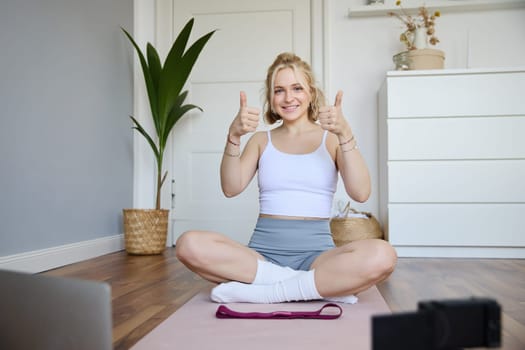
point(347, 229)
point(145, 230)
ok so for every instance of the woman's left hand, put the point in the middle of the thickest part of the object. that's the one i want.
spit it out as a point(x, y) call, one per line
point(331, 118)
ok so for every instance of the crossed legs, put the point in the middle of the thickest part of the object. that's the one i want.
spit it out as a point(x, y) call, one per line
point(216, 257)
point(354, 267)
point(338, 272)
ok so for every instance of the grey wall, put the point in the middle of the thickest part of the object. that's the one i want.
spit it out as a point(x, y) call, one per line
point(65, 135)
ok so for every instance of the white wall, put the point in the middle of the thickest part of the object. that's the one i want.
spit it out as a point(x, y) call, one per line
point(361, 50)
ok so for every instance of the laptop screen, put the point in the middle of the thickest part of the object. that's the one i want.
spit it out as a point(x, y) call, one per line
point(46, 312)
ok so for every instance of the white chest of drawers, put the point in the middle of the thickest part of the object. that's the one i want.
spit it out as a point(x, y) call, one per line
point(452, 162)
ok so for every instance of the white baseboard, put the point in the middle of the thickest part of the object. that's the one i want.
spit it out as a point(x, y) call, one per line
point(50, 258)
point(461, 252)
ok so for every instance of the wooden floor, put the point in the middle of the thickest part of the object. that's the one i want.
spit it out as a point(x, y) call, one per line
point(148, 289)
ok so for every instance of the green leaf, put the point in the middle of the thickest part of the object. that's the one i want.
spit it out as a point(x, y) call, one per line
point(154, 64)
point(178, 47)
point(175, 115)
point(172, 60)
point(155, 69)
point(140, 129)
point(151, 89)
point(175, 74)
point(178, 102)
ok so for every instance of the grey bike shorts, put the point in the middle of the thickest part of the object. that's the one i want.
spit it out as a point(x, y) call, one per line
point(292, 243)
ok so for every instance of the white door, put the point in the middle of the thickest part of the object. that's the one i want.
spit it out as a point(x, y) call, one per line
point(250, 34)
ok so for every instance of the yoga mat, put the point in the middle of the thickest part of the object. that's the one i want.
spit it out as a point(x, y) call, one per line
point(194, 326)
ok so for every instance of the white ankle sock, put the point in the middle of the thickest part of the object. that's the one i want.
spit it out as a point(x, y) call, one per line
point(270, 273)
point(301, 287)
point(347, 299)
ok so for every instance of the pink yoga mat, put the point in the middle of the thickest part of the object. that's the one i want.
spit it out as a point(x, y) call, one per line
point(194, 326)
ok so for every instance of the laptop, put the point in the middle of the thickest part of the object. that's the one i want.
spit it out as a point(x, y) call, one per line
point(45, 312)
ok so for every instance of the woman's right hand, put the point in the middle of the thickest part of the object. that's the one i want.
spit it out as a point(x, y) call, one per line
point(246, 121)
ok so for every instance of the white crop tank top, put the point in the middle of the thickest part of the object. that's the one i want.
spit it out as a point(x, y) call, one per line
point(296, 184)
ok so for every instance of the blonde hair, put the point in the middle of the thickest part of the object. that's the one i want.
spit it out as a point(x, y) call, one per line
point(306, 77)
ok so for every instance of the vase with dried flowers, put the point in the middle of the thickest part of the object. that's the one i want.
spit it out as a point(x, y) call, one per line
point(420, 29)
point(419, 32)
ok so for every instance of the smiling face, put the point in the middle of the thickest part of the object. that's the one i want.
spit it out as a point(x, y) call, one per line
point(287, 70)
point(290, 98)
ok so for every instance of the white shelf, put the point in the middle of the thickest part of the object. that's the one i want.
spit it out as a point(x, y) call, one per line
point(443, 5)
point(455, 71)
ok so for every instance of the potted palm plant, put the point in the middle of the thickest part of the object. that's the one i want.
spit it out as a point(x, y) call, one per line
point(145, 230)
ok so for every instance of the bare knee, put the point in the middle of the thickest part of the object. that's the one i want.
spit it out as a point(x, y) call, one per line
point(383, 259)
point(187, 247)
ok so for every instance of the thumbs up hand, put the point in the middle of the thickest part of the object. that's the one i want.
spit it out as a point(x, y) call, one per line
point(247, 119)
point(331, 117)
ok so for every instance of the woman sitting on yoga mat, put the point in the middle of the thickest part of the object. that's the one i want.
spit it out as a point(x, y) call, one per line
point(291, 255)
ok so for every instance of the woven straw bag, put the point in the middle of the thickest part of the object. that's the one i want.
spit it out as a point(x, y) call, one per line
point(145, 231)
point(346, 229)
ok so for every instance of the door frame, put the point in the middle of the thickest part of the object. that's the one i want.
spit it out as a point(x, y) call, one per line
point(150, 26)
